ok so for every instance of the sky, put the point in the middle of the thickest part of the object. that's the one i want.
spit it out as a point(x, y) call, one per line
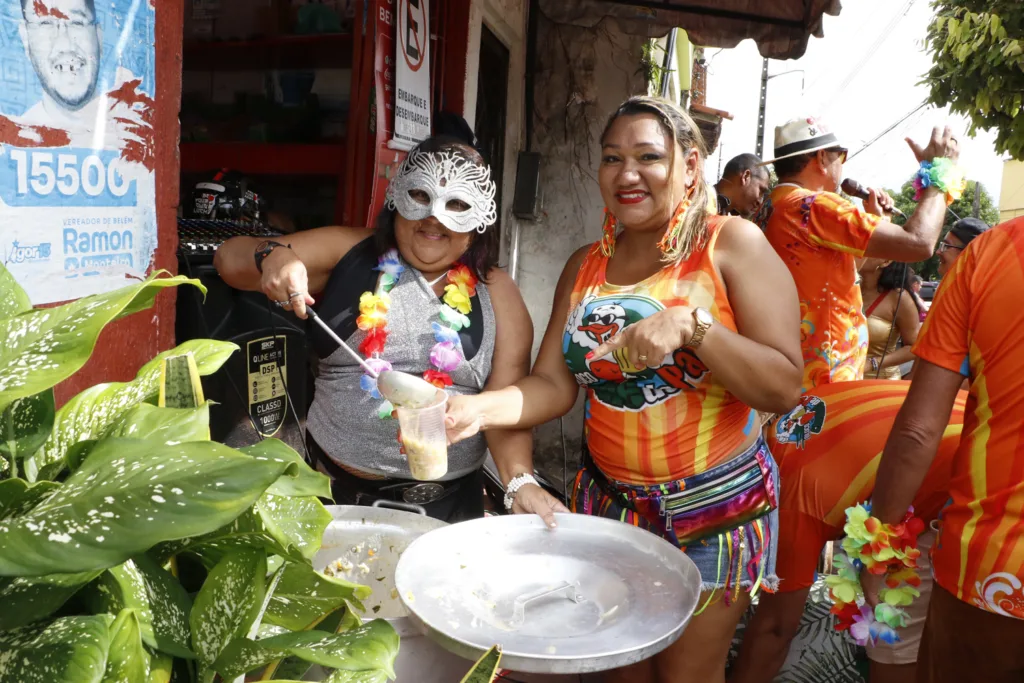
point(860, 78)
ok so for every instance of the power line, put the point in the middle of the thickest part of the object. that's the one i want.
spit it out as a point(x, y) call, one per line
point(888, 130)
point(908, 125)
point(873, 48)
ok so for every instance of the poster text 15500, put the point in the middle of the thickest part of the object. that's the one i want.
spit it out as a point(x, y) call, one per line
point(69, 177)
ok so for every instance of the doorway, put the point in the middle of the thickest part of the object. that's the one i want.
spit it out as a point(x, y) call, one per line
point(492, 108)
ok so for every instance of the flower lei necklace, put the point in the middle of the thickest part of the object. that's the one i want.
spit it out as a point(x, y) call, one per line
point(446, 354)
point(889, 549)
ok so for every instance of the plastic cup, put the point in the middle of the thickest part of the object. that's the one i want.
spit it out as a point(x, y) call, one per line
point(425, 440)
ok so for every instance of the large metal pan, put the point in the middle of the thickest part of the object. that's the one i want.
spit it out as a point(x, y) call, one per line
point(363, 545)
point(591, 595)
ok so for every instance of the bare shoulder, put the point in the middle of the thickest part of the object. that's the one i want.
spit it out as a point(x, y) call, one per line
point(738, 234)
point(515, 327)
point(502, 287)
point(578, 256)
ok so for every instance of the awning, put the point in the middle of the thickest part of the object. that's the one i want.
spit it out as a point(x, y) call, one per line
point(780, 28)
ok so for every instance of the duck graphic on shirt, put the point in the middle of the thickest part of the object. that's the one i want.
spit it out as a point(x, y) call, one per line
point(614, 380)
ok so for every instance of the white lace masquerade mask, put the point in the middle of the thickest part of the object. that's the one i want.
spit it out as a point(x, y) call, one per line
point(447, 181)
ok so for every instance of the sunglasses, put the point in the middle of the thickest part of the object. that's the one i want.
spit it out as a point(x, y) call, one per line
point(841, 151)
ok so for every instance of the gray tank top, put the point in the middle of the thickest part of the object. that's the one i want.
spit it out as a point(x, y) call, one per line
point(343, 418)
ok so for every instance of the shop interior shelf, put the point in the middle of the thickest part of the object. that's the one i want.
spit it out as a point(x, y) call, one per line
point(321, 51)
point(257, 158)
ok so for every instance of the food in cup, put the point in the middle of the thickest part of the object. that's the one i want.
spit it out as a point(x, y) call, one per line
point(428, 459)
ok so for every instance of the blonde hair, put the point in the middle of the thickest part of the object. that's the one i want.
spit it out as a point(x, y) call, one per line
point(677, 124)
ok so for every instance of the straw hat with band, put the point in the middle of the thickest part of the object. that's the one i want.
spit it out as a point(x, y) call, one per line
point(801, 136)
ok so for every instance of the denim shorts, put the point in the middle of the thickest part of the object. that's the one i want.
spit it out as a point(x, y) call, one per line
point(741, 558)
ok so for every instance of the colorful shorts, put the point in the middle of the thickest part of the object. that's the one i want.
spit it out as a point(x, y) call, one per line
point(742, 558)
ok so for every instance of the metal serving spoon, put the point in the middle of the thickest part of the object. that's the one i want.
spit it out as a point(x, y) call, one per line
point(401, 388)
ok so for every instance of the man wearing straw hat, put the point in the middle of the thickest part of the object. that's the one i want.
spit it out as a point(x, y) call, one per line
point(820, 234)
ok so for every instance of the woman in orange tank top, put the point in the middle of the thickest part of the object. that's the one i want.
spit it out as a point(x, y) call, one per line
point(679, 325)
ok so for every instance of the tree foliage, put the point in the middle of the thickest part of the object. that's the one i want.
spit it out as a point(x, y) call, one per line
point(961, 208)
point(977, 47)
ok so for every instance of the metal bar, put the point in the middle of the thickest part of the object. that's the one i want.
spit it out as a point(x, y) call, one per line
point(713, 12)
point(759, 147)
point(338, 340)
point(666, 64)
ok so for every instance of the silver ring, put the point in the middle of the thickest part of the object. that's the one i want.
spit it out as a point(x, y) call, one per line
point(281, 304)
point(642, 359)
point(295, 294)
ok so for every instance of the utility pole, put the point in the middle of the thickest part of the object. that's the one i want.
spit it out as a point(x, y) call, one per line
point(667, 64)
point(977, 199)
point(759, 147)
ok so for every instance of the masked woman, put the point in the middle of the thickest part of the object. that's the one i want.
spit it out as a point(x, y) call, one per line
point(420, 294)
point(680, 325)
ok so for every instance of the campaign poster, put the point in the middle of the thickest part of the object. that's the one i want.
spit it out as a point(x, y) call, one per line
point(77, 185)
point(412, 73)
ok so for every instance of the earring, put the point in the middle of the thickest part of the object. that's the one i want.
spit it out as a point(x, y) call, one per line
point(669, 243)
point(608, 229)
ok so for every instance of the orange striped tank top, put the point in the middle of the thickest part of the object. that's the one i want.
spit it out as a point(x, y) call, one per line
point(671, 419)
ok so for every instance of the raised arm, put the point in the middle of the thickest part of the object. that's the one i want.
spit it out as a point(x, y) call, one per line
point(513, 448)
point(303, 265)
point(547, 393)
point(915, 240)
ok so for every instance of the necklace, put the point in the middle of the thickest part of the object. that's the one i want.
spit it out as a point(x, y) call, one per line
point(446, 355)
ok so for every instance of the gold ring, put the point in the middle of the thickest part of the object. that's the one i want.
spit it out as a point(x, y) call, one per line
point(642, 359)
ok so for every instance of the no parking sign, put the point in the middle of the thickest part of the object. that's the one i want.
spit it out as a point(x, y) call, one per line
point(412, 72)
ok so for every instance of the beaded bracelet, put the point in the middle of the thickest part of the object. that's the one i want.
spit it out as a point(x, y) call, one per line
point(942, 174)
point(889, 549)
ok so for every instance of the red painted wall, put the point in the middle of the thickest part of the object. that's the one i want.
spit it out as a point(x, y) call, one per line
point(127, 344)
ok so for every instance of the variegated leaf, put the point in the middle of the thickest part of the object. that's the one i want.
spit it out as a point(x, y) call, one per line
point(373, 646)
point(128, 661)
point(25, 599)
point(161, 605)
point(127, 496)
point(68, 650)
point(308, 482)
point(92, 413)
point(227, 605)
point(304, 597)
point(46, 346)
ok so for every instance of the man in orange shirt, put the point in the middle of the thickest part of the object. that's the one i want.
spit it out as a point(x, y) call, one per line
point(975, 627)
point(819, 234)
point(828, 449)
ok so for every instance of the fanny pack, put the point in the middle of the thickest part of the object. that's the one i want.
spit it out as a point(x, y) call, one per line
point(702, 505)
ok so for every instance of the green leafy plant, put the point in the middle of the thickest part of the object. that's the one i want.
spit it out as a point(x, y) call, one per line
point(132, 548)
point(977, 47)
point(486, 668)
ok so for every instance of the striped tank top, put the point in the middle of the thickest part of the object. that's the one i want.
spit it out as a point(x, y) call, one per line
point(671, 419)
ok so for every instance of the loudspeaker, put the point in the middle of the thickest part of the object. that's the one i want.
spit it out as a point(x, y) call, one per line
point(265, 388)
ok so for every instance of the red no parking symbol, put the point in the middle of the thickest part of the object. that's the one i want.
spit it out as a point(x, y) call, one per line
point(412, 31)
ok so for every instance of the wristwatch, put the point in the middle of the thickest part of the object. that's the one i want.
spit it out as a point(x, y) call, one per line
point(703, 320)
point(263, 250)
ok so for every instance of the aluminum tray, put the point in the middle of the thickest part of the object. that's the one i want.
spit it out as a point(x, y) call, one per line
point(591, 595)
